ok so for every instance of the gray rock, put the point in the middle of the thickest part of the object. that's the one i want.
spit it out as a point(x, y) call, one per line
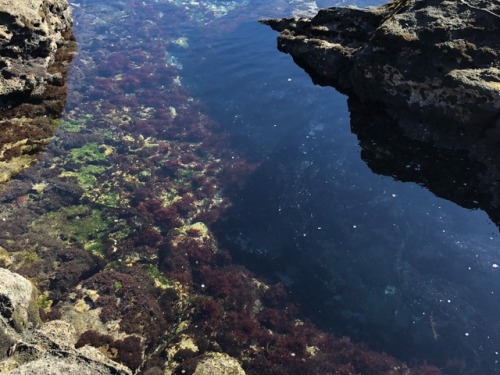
point(18, 307)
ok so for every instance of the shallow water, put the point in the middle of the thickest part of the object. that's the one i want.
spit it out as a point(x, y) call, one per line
point(280, 176)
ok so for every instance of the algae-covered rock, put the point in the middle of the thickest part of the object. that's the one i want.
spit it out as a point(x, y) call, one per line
point(36, 46)
point(218, 363)
point(26, 347)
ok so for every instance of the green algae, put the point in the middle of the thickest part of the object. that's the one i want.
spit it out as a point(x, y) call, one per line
point(160, 280)
point(91, 152)
point(80, 224)
point(44, 302)
point(73, 125)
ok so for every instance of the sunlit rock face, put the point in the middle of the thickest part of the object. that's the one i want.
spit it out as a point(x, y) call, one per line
point(36, 47)
point(432, 67)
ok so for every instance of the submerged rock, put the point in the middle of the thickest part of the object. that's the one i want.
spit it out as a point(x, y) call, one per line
point(36, 45)
point(218, 363)
point(431, 66)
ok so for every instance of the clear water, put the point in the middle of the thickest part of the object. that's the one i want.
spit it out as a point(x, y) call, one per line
point(367, 256)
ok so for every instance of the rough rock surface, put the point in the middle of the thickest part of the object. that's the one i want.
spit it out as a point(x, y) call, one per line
point(26, 346)
point(35, 49)
point(431, 66)
point(218, 363)
point(437, 58)
point(17, 301)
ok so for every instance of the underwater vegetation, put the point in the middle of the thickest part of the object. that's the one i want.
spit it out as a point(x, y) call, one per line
point(114, 223)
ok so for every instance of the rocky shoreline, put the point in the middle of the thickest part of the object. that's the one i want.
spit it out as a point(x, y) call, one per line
point(36, 47)
point(430, 67)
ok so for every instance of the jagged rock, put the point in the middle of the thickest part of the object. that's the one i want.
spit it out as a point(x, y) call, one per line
point(26, 347)
point(52, 347)
point(430, 66)
point(432, 57)
point(36, 46)
point(30, 33)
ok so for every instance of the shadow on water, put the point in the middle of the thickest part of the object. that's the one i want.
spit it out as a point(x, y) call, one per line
point(392, 279)
point(449, 173)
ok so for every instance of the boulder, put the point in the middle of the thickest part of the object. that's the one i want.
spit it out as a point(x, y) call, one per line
point(17, 302)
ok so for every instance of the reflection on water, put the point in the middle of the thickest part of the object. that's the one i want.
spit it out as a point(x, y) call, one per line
point(183, 118)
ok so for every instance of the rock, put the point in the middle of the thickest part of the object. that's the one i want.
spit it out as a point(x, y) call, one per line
point(210, 363)
point(36, 46)
point(52, 347)
point(29, 37)
point(26, 347)
point(71, 364)
point(18, 307)
point(432, 57)
point(218, 363)
point(432, 67)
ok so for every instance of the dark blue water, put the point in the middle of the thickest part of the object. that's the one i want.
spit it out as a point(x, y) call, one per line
point(366, 255)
